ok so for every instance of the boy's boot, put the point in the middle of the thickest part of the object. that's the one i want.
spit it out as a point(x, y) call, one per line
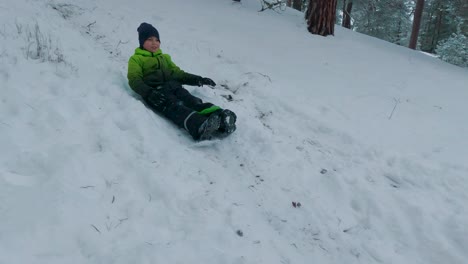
point(202, 127)
point(228, 121)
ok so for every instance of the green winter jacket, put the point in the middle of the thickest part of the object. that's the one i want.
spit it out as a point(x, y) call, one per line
point(155, 68)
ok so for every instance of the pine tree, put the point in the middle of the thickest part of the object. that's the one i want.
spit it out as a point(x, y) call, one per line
point(385, 19)
point(441, 19)
point(416, 24)
point(321, 17)
point(454, 50)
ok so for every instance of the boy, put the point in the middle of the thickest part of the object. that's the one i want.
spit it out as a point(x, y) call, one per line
point(154, 76)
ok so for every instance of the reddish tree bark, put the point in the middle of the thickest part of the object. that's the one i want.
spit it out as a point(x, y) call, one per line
point(416, 24)
point(321, 17)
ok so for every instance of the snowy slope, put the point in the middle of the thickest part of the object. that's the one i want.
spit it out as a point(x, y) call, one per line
point(369, 137)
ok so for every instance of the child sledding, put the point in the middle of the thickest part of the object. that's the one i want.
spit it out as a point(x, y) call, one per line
point(158, 80)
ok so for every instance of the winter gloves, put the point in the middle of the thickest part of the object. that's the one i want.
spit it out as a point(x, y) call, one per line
point(206, 81)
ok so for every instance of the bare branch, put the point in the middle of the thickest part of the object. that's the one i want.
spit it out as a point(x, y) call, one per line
point(397, 101)
point(96, 229)
point(277, 4)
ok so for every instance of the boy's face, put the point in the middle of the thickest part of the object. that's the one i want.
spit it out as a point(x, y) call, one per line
point(151, 44)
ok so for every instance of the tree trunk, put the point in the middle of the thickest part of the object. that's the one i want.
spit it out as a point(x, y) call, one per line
point(347, 14)
point(416, 24)
point(436, 27)
point(463, 13)
point(437, 30)
point(344, 12)
point(321, 17)
point(399, 33)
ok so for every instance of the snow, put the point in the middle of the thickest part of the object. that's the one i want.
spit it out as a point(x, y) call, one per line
point(369, 137)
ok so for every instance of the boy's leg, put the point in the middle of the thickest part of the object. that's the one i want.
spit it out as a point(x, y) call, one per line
point(191, 101)
point(182, 103)
point(199, 126)
point(182, 94)
point(165, 102)
point(228, 118)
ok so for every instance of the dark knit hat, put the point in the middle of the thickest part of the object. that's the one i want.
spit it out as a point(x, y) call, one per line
point(145, 31)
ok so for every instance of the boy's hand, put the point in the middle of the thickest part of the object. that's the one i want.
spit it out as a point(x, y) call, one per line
point(207, 81)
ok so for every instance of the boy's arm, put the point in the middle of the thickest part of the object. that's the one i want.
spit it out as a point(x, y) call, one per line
point(135, 78)
point(182, 76)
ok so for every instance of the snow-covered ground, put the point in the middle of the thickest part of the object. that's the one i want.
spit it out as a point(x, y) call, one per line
point(370, 138)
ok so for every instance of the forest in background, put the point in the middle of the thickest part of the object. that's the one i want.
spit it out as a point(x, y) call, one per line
point(443, 28)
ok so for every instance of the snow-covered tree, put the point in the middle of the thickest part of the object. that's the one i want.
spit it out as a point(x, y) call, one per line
point(385, 19)
point(454, 50)
point(441, 19)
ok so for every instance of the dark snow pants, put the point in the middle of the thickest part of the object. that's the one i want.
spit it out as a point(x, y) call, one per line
point(175, 102)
